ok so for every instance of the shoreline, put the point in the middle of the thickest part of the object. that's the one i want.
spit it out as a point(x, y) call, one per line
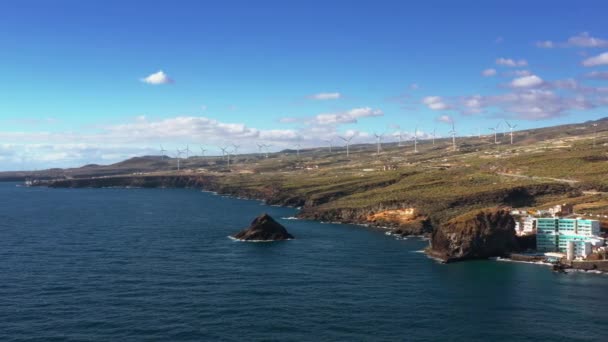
point(388, 231)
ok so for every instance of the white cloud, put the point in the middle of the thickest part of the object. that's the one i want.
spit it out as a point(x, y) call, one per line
point(534, 104)
point(601, 59)
point(157, 78)
point(350, 116)
point(414, 86)
point(511, 62)
point(545, 44)
point(527, 82)
point(522, 73)
point(582, 40)
point(288, 120)
point(473, 104)
point(568, 83)
point(488, 72)
point(326, 96)
point(585, 40)
point(538, 104)
point(435, 103)
point(445, 118)
point(598, 75)
point(279, 135)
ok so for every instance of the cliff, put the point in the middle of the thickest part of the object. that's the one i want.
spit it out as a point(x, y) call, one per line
point(164, 181)
point(477, 235)
point(263, 228)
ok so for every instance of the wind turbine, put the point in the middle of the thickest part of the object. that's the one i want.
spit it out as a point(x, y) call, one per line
point(453, 133)
point(178, 156)
point(187, 150)
point(434, 131)
point(260, 148)
point(298, 149)
point(236, 148)
point(330, 143)
point(511, 127)
point(495, 130)
point(594, 133)
point(267, 146)
point(347, 141)
point(224, 149)
point(399, 135)
point(378, 142)
point(203, 151)
point(416, 140)
point(162, 152)
point(226, 153)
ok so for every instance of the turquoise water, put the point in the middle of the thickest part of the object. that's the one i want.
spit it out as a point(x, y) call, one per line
point(156, 265)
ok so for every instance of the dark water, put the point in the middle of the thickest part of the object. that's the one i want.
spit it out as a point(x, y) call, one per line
point(126, 265)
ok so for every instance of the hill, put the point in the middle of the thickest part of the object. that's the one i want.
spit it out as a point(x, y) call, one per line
point(398, 188)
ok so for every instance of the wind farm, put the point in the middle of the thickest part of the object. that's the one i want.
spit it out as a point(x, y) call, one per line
point(356, 176)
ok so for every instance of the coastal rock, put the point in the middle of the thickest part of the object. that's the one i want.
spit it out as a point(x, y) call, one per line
point(263, 228)
point(476, 235)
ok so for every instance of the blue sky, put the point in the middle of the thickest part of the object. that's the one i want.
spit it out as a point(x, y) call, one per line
point(279, 72)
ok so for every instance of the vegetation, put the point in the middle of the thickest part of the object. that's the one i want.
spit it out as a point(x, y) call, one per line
point(544, 167)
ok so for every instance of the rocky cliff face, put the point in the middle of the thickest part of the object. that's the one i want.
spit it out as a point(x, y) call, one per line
point(135, 182)
point(476, 235)
point(263, 228)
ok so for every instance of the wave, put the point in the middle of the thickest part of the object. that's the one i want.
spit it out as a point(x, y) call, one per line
point(256, 241)
point(289, 218)
point(576, 270)
point(522, 261)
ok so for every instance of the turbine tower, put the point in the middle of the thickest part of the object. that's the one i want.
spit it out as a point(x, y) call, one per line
point(416, 140)
point(495, 130)
point(378, 142)
point(298, 149)
point(224, 149)
point(594, 133)
point(178, 155)
point(347, 141)
point(434, 131)
point(453, 133)
point(267, 147)
point(228, 154)
point(511, 127)
point(330, 143)
point(203, 150)
point(399, 136)
point(187, 150)
point(260, 148)
point(236, 148)
point(162, 152)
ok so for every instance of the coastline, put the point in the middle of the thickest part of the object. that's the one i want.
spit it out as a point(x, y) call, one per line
point(212, 184)
point(215, 189)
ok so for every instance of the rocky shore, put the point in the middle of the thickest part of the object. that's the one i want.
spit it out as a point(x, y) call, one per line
point(473, 235)
point(477, 235)
point(598, 266)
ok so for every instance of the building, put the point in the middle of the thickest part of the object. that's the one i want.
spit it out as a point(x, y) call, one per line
point(561, 210)
point(529, 225)
point(525, 226)
point(554, 235)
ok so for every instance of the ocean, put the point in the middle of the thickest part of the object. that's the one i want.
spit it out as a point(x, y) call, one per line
point(157, 265)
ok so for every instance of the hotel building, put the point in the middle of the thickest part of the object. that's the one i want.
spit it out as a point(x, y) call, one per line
point(553, 235)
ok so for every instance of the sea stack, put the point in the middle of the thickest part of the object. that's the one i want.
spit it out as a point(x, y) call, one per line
point(263, 228)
